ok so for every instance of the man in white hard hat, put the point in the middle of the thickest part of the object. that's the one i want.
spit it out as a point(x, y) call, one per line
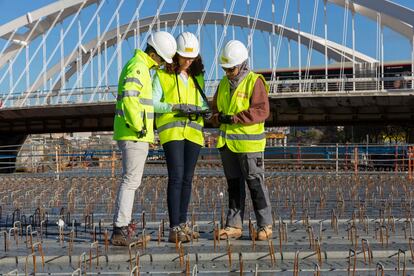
point(133, 127)
point(240, 107)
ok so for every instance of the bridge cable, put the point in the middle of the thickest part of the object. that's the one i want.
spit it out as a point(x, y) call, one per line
point(218, 47)
point(325, 27)
point(344, 39)
point(271, 37)
point(13, 60)
point(184, 4)
point(156, 17)
point(51, 56)
point(308, 85)
point(93, 50)
point(118, 48)
point(53, 53)
point(123, 38)
point(203, 18)
point(280, 38)
point(8, 42)
point(252, 29)
point(37, 50)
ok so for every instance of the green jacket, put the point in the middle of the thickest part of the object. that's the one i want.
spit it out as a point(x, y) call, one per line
point(134, 114)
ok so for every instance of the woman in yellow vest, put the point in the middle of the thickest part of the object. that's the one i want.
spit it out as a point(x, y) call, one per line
point(178, 99)
point(240, 107)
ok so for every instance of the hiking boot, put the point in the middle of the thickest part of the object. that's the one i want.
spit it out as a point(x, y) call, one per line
point(264, 233)
point(178, 235)
point(125, 235)
point(185, 227)
point(229, 232)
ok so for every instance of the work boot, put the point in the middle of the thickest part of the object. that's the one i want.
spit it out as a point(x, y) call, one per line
point(229, 232)
point(178, 235)
point(264, 233)
point(125, 235)
point(185, 227)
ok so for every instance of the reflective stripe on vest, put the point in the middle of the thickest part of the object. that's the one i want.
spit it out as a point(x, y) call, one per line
point(128, 93)
point(180, 124)
point(145, 101)
point(133, 93)
point(120, 112)
point(134, 80)
point(251, 137)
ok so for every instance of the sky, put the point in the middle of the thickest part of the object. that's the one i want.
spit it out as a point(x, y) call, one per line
point(396, 47)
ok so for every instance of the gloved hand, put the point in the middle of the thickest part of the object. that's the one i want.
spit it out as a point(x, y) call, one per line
point(225, 119)
point(142, 133)
point(184, 108)
point(207, 115)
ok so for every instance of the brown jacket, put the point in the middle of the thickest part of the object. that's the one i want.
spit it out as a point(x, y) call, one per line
point(258, 110)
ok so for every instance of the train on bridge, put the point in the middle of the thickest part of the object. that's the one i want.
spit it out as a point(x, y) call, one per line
point(389, 76)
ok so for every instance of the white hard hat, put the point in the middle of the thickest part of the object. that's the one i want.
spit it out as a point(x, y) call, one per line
point(187, 45)
point(165, 45)
point(234, 53)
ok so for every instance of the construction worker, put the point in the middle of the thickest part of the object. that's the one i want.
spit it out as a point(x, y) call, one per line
point(240, 107)
point(178, 102)
point(133, 126)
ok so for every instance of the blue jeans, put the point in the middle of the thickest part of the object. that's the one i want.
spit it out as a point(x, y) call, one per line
point(181, 159)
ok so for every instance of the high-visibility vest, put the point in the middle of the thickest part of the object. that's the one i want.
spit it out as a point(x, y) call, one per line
point(240, 138)
point(134, 108)
point(171, 128)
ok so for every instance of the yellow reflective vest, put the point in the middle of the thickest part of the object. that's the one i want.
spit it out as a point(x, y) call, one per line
point(239, 138)
point(171, 128)
point(134, 109)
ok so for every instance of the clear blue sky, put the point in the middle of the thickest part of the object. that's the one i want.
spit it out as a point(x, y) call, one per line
point(396, 47)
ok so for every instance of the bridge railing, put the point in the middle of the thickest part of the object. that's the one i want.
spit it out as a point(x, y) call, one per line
point(318, 84)
point(280, 86)
point(63, 97)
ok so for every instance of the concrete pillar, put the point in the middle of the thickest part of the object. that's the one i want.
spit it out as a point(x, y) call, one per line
point(8, 154)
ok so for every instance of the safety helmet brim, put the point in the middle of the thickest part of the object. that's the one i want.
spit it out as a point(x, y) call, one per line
point(187, 55)
point(228, 65)
point(164, 44)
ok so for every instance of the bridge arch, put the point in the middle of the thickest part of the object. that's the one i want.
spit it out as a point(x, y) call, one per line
point(55, 12)
point(394, 16)
point(335, 50)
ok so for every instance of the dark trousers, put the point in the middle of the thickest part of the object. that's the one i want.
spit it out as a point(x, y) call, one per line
point(242, 168)
point(181, 161)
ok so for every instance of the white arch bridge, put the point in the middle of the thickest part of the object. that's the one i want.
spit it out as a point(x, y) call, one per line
point(59, 64)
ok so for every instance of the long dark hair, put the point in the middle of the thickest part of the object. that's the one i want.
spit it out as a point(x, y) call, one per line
point(196, 67)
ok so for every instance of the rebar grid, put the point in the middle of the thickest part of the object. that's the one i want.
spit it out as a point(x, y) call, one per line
point(338, 223)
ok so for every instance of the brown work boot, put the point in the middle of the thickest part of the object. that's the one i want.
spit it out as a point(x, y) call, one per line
point(178, 235)
point(185, 227)
point(264, 233)
point(125, 235)
point(229, 232)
